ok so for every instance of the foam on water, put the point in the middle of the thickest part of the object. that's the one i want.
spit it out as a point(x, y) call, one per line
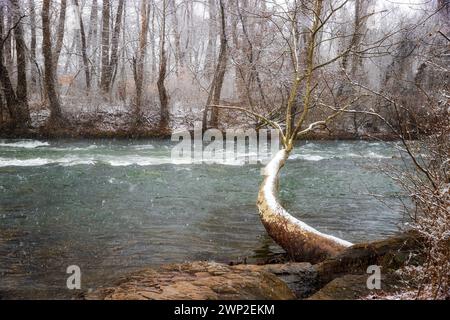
point(33, 153)
point(144, 147)
point(27, 144)
point(307, 157)
point(23, 163)
point(38, 162)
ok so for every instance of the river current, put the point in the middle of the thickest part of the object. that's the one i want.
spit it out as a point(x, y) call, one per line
point(112, 207)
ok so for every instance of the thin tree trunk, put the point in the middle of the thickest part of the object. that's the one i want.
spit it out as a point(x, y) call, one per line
point(163, 97)
point(153, 43)
point(33, 42)
point(10, 95)
point(59, 35)
point(8, 45)
point(56, 118)
point(138, 63)
point(105, 45)
point(22, 90)
point(219, 76)
point(92, 40)
point(120, 18)
point(8, 91)
point(17, 108)
point(212, 36)
point(93, 28)
point(87, 73)
point(179, 63)
point(112, 65)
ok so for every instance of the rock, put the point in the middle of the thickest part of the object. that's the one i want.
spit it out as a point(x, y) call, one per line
point(390, 254)
point(198, 281)
point(301, 278)
point(354, 287)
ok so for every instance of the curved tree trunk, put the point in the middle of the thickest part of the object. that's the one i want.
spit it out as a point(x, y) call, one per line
point(299, 240)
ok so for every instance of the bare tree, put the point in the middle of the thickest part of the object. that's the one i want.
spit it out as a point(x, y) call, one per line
point(212, 39)
point(33, 42)
point(219, 75)
point(163, 97)
point(60, 35)
point(301, 242)
point(179, 55)
point(106, 13)
point(56, 118)
point(84, 54)
point(16, 100)
point(22, 89)
point(138, 61)
point(110, 58)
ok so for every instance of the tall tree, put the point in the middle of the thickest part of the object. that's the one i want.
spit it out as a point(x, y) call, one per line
point(106, 13)
point(163, 97)
point(219, 75)
point(33, 42)
point(84, 54)
point(212, 39)
point(21, 91)
point(93, 27)
point(111, 62)
point(16, 100)
point(179, 55)
point(138, 61)
point(56, 118)
point(60, 35)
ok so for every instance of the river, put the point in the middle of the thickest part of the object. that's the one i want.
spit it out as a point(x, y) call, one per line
point(112, 207)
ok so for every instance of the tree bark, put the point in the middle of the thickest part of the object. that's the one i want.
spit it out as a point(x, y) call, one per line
point(33, 42)
point(179, 55)
point(302, 242)
point(138, 62)
point(212, 36)
point(59, 35)
point(107, 76)
point(17, 108)
point(163, 97)
point(93, 27)
point(8, 43)
point(84, 55)
point(219, 76)
point(105, 45)
point(22, 90)
point(56, 118)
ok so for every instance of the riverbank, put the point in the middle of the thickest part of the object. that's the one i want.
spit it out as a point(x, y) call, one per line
point(343, 277)
point(94, 132)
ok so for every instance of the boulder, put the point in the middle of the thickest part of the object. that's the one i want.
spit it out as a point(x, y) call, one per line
point(198, 281)
point(390, 254)
point(354, 287)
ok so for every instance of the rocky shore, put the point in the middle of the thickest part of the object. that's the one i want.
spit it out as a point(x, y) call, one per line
point(340, 278)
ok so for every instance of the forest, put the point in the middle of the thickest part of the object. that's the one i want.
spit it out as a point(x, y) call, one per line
point(362, 79)
point(105, 68)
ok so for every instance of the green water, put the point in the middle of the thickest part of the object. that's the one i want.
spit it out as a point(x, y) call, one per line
point(112, 207)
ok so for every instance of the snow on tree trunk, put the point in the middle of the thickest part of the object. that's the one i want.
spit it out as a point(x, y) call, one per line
point(299, 240)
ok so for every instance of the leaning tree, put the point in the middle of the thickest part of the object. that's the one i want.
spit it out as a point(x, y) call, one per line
point(296, 20)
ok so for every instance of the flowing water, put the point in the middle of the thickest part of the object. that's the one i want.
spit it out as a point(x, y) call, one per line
point(112, 207)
